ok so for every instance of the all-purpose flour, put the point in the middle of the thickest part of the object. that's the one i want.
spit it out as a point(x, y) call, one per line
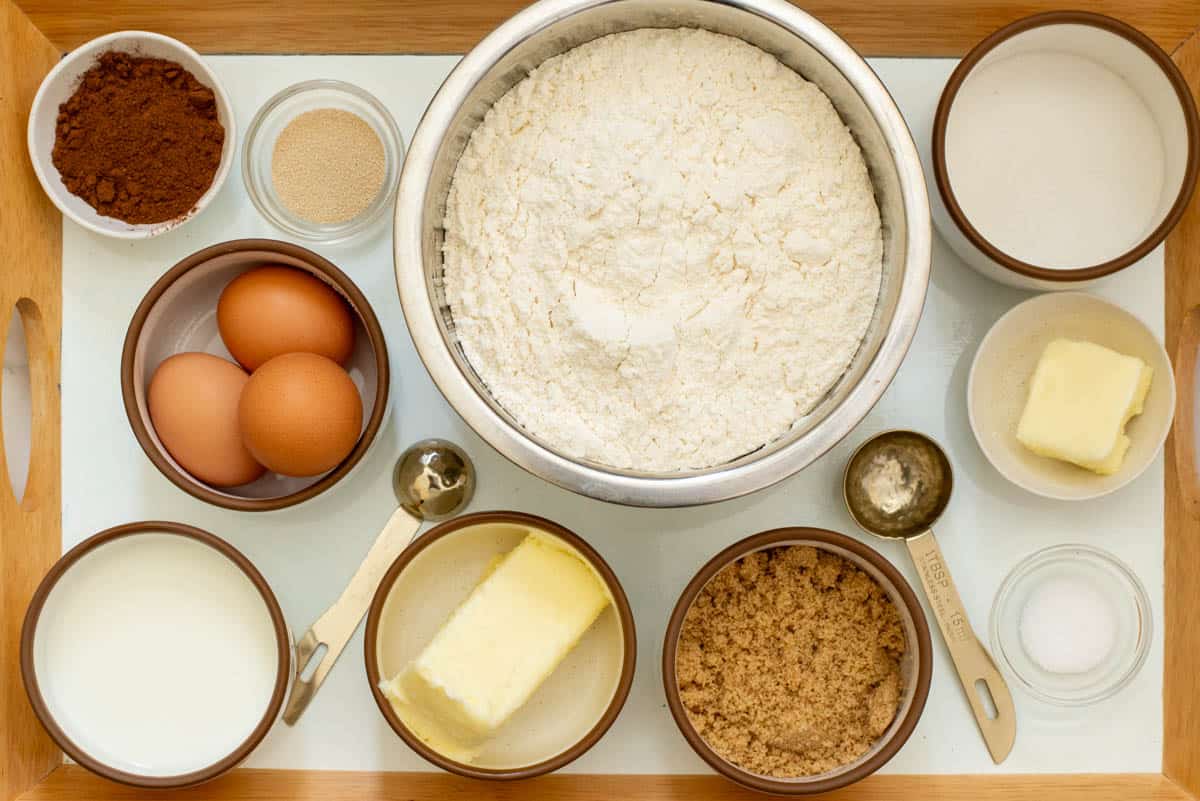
point(662, 249)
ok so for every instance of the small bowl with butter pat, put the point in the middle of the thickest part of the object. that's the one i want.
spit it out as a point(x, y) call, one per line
point(1070, 397)
point(500, 645)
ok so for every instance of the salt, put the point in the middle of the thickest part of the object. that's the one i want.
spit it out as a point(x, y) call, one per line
point(1067, 626)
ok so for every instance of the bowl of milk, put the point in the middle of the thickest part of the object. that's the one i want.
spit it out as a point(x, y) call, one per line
point(155, 655)
point(1065, 148)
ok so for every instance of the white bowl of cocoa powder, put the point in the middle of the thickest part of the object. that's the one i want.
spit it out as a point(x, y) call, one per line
point(797, 661)
point(131, 135)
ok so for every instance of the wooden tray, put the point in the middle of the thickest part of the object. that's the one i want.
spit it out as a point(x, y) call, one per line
point(33, 35)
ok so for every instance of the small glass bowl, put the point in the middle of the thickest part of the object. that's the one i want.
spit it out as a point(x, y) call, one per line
point(270, 121)
point(1113, 580)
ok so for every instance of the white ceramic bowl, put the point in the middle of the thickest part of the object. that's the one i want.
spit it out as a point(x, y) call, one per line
point(999, 385)
point(1156, 81)
point(61, 83)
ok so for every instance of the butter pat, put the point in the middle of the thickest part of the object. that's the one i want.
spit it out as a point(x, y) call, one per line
point(521, 620)
point(1080, 399)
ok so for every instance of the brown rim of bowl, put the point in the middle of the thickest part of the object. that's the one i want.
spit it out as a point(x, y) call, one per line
point(780, 537)
point(283, 644)
point(1187, 105)
point(620, 603)
point(362, 308)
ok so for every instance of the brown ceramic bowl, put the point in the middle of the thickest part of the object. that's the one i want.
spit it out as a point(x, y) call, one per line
point(916, 667)
point(44, 706)
point(179, 314)
point(1153, 76)
point(571, 710)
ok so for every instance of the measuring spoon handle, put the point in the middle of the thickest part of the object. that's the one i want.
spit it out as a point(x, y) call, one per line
point(336, 626)
point(970, 658)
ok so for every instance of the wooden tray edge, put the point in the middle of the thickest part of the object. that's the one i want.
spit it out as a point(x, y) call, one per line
point(30, 533)
point(30, 280)
point(71, 783)
point(1181, 679)
point(932, 27)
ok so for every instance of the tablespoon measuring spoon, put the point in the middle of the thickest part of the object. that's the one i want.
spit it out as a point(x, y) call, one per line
point(433, 480)
point(896, 486)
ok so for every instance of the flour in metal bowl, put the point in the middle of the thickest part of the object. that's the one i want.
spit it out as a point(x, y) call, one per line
point(662, 250)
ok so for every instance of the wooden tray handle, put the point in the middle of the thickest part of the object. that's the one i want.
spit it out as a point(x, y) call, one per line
point(44, 403)
point(30, 532)
point(1185, 412)
point(30, 282)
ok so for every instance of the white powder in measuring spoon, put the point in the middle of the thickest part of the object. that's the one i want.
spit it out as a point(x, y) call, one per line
point(1067, 625)
point(1055, 159)
point(662, 249)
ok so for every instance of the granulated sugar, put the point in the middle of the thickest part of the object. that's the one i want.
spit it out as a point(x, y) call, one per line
point(328, 165)
point(1055, 159)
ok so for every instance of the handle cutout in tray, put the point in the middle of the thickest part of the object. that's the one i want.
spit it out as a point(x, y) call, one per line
point(16, 407)
point(40, 411)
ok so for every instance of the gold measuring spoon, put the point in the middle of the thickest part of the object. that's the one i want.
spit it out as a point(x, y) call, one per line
point(433, 480)
point(896, 486)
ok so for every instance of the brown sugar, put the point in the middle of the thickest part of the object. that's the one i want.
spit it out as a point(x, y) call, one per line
point(789, 662)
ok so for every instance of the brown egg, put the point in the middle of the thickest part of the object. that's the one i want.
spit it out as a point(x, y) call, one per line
point(300, 414)
point(193, 401)
point(273, 310)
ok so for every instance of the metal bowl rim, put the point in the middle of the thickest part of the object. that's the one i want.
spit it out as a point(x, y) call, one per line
point(661, 490)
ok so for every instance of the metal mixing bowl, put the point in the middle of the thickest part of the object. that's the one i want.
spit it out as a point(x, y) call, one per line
point(550, 27)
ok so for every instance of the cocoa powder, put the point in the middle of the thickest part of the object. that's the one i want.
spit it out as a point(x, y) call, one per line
point(139, 140)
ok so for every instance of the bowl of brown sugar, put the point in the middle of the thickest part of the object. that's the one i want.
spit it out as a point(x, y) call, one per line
point(797, 661)
point(131, 135)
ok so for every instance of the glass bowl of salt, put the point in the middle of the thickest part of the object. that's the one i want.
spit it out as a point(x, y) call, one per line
point(1072, 624)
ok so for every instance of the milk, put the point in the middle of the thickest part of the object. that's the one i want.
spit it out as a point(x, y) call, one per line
point(156, 655)
point(1055, 159)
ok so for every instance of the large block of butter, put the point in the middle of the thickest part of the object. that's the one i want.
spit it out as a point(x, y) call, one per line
point(1080, 399)
point(521, 620)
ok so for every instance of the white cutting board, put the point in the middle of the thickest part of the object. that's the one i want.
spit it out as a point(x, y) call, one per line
point(307, 553)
